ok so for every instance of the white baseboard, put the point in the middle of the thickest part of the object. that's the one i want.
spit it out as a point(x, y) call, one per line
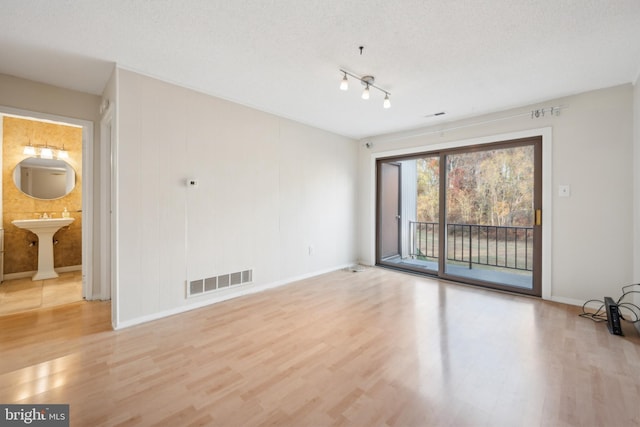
point(569, 301)
point(249, 288)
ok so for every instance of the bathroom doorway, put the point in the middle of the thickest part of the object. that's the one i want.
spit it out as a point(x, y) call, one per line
point(30, 143)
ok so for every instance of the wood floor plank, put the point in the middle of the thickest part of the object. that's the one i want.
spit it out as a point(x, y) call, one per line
point(19, 295)
point(343, 349)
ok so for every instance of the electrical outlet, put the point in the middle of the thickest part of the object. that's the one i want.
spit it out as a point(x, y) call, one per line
point(310, 250)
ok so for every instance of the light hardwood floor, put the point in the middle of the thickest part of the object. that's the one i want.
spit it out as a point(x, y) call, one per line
point(375, 348)
point(25, 294)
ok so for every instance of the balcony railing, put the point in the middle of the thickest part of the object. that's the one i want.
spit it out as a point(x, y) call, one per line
point(495, 246)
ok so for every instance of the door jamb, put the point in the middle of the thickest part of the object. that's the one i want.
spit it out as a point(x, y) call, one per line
point(88, 171)
point(106, 143)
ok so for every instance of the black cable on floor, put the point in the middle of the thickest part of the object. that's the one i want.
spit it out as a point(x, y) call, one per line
point(632, 308)
point(600, 315)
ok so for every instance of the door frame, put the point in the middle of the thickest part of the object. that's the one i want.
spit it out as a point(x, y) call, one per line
point(107, 137)
point(547, 190)
point(88, 171)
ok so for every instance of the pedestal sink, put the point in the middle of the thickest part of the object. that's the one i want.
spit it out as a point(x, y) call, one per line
point(45, 229)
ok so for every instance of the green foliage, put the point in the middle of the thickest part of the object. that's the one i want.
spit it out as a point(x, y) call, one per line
point(428, 189)
point(492, 187)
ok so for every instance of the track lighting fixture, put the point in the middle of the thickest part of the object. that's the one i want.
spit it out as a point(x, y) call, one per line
point(368, 82)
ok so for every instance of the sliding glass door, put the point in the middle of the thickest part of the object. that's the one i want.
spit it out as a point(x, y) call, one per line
point(408, 200)
point(469, 214)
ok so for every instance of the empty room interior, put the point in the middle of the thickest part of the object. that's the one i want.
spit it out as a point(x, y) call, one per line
point(330, 213)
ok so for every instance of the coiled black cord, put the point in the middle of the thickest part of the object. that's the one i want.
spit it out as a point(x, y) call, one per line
point(632, 310)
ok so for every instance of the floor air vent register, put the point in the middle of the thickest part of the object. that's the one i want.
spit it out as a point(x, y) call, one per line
point(216, 283)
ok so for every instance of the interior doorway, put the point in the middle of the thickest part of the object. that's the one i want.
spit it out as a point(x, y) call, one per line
point(75, 282)
point(470, 214)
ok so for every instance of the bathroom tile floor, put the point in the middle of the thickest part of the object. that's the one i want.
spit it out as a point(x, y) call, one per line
point(24, 294)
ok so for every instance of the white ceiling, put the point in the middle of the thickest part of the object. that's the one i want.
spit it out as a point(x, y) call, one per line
point(464, 57)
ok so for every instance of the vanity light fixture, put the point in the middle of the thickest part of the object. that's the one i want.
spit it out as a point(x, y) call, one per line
point(45, 151)
point(368, 82)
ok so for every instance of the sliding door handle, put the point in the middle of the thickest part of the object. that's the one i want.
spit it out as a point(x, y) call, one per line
point(538, 216)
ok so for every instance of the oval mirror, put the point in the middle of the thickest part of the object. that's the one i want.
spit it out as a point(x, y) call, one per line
point(45, 179)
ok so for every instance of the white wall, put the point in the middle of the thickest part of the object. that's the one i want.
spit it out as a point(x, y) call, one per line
point(591, 242)
point(268, 189)
point(39, 97)
point(292, 175)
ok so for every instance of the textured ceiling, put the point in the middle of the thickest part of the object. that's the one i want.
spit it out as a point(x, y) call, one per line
point(463, 57)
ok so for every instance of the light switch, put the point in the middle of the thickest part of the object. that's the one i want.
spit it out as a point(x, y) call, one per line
point(564, 190)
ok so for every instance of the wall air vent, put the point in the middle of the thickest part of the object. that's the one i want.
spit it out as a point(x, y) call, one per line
point(195, 287)
point(218, 283)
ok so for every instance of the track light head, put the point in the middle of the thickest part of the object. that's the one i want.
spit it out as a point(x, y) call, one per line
point(365, 92)
point(344, 84)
